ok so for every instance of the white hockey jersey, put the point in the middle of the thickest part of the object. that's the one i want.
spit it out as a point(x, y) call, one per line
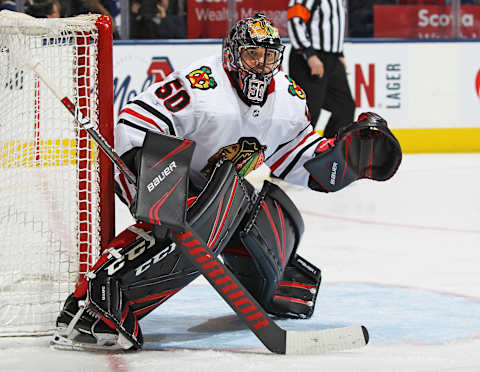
point(200, 103)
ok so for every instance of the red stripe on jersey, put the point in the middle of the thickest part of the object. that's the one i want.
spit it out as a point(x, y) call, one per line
point(143, 117)
point(282, 159)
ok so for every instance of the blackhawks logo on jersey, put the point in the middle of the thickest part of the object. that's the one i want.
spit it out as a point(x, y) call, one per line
point(294, 89)
point(246, 155)
point(202, 78)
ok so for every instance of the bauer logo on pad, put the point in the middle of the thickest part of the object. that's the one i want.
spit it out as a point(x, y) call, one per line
point(163, 180)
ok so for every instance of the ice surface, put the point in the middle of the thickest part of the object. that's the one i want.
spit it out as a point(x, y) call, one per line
point(401, 257)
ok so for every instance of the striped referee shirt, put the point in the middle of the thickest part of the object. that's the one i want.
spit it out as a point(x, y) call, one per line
point(316, 25)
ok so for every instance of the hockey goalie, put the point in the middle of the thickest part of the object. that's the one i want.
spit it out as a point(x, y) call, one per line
point(233, 113)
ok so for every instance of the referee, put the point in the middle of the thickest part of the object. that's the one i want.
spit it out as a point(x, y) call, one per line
point(316, 29)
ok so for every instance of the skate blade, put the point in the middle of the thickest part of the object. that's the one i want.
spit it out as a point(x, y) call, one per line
point(107, 342)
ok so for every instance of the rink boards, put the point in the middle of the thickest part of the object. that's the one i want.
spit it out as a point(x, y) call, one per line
point(429, 91)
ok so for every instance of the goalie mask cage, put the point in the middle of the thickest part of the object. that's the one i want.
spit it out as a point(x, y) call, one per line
point(56, 187)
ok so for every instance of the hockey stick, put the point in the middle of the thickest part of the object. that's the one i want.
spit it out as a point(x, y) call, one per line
point(251, 312)
point(220, 277)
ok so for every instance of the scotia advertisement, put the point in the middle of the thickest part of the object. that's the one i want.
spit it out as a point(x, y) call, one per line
point(424, 21)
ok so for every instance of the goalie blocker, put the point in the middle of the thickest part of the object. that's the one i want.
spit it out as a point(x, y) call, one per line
point(363, 149)
point(141, 268)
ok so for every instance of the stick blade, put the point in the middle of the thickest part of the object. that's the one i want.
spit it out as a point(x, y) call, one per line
point(325, 341)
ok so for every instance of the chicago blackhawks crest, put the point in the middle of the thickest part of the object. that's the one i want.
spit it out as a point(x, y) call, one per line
point(262, 30)
point(247, 155)
point(294, 89)
point(202, 78)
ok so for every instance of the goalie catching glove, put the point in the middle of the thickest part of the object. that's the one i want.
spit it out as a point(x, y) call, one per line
point(363, 149)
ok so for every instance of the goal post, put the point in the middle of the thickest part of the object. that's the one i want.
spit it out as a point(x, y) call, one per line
point(56, 186)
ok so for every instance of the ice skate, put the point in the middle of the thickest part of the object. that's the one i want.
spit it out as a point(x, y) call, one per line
point(79, 328)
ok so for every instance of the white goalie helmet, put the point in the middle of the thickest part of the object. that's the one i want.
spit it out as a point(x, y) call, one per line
point(252, 55)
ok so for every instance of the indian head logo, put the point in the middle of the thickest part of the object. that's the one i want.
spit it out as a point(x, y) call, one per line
point(477, 84)
point(294, 89)
point(202, 78)
point(247, 155)
point(263, 29)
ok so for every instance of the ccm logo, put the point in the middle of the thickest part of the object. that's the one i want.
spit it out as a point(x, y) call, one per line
point(157, 258)
point(136, 251)
point(163, 174)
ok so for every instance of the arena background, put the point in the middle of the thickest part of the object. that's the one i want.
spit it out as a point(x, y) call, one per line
point(428, 90)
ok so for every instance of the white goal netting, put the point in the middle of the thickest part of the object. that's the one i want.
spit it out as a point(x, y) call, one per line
point(49, 169)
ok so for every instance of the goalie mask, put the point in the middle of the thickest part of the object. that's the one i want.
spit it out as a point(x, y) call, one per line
point(252, 55)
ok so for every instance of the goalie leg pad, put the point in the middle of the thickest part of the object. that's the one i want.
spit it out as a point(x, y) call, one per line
point(214, 214)
point(141, 269)
point(132, 277)
point(259, 253)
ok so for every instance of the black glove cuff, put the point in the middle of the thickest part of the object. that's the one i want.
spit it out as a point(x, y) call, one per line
point(307, 53)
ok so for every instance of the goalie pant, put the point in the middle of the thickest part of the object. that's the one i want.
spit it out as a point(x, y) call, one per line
point(141, 268)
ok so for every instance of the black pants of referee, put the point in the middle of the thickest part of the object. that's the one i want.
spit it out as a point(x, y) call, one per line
point(330, 92)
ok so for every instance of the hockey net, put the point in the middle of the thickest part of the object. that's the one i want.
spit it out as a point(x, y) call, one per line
point(56, 194)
